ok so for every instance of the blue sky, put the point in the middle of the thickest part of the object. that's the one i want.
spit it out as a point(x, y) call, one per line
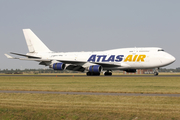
point(91, 25)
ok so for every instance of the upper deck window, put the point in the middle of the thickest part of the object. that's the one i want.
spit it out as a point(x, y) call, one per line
point(160, 50)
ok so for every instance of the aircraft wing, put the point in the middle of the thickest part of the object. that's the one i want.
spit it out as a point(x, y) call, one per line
point(78, 65)
point(83, 62)
point(75, 68)
point(107, 64)
point(72, 64)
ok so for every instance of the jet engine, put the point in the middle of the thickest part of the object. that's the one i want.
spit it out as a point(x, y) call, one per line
point(58, 66)
point(131, 71)
point(95, 68)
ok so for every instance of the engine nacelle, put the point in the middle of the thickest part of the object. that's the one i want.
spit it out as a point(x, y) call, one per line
point(58, 66)
point(95, 68)
point(131, 71)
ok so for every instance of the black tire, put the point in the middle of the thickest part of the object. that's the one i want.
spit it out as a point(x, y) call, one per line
point(96, 74)
point(107, 73)
point(92, 74)
point(156, 73)
point(88, 74)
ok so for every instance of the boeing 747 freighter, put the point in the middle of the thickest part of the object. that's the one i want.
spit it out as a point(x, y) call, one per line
point(93, 63)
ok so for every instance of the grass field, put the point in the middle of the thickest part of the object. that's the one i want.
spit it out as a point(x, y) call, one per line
point(50, 106)
point(93, 84)
point(83, 107)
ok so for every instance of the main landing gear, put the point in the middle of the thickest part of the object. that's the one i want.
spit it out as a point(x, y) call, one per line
point(156, 73)
point(93, 73)
point(108, 73)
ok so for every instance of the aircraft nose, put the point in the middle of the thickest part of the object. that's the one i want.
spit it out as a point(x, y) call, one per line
point(170, 58)
point(166, 59)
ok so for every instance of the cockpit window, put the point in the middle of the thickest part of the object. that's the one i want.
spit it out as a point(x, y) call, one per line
point(160, 50)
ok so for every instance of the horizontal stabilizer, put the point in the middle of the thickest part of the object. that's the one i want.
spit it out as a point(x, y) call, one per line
point(8, 56)
point(32, 59)
point(25, 55)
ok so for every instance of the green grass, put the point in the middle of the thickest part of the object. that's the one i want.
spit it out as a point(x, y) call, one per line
point(82, 107)
point(93, 84)
point(18, 106)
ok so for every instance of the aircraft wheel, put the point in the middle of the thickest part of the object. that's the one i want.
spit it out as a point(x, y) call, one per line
point(93, 74)
point(107, 73)
point(96, 74)
point(156, 73)
point(88, 73)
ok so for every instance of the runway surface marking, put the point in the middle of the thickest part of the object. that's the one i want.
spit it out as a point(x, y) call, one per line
point(90, 93)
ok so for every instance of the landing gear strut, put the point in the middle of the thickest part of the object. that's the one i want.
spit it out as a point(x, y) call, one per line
point(156, 73)
point(108, 73)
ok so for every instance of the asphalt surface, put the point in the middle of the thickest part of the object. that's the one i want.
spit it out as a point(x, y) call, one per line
point(93, 76)
point(89, 93)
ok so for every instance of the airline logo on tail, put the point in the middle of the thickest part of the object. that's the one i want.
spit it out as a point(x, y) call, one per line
point(116, 58)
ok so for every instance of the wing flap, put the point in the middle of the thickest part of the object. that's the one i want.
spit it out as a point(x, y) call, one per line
point(75, 68)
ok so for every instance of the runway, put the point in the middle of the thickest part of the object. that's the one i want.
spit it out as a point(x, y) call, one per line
point(91, 76)
point(90, 93)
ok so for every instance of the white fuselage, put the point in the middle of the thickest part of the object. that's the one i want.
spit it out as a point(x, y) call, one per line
point(117, 59)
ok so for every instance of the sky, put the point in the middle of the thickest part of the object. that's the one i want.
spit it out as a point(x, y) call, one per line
point(88, 25)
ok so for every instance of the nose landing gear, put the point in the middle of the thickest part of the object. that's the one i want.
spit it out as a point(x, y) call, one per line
point(156, 73)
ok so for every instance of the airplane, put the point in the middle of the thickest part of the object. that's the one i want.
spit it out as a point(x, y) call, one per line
point(93, 63)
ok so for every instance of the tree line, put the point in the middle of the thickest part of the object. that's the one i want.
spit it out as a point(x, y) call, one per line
point(36, 71)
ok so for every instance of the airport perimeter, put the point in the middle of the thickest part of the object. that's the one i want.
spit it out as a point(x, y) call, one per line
point(64, 97)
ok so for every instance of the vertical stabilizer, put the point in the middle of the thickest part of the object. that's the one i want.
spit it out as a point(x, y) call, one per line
point(34, 43)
